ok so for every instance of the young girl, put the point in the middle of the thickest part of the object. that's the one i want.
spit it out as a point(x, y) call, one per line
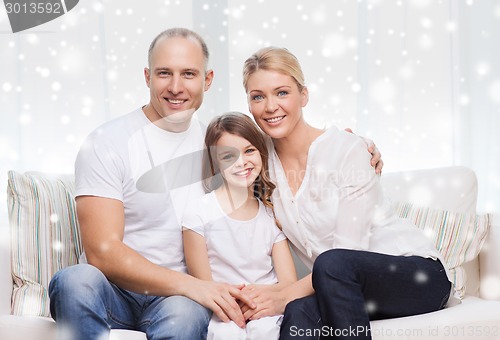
point(230, 234)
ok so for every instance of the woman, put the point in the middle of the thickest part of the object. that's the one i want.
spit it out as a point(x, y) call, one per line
point(366, 263)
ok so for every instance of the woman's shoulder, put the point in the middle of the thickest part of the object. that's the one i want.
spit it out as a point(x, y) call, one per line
point(336, 138)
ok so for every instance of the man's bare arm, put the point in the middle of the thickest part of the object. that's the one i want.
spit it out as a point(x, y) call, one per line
point(102, 229)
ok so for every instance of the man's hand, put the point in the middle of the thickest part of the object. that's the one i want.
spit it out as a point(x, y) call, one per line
point(222, 299)
point(376, 160)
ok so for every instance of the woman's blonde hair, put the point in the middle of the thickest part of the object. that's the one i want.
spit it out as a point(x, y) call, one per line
point(274, 59)
point(238, 124)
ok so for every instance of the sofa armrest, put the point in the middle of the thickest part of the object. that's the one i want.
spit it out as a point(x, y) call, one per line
point(5, 272)
point(489, 262)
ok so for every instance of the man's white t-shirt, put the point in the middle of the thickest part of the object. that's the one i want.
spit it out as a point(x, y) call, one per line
point(153, 172)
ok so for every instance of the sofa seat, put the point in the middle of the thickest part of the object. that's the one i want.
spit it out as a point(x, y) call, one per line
point(13, 327)
point(474, 318)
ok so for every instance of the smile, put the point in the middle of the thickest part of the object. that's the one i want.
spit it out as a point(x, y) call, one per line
point(274, 119)
point(243, 172)
point(175, 101)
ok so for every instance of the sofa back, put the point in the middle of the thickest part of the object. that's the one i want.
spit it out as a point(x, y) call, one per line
point(489, 264)
point(451, 188)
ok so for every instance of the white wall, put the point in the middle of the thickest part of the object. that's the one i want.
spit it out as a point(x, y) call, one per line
point(420, 77)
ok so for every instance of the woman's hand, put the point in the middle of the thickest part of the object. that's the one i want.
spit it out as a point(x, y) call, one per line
point(269, 301)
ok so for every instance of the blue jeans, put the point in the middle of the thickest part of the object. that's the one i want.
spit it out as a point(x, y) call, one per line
point(86, 306)
point(353, 287)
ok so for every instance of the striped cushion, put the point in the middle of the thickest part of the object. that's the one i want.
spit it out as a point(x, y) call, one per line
point(458, 237)
point(45, 236)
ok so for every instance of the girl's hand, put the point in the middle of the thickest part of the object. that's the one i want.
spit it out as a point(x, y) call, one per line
point(268, 300)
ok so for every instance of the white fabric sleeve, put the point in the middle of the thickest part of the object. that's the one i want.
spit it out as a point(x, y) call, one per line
point(99, 170)
point(278, 234)
point(192, 220)
point(360, 192)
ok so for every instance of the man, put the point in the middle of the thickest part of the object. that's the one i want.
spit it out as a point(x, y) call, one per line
point(132, 274)
point(135, 277)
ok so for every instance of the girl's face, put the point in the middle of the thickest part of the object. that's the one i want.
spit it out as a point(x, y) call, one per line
point(275, 102)
point(239, 161)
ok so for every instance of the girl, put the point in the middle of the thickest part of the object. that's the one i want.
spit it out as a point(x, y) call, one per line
point(366, 263)
point(230, 234)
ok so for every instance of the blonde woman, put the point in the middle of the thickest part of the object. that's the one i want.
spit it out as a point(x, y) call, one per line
point(366, 263)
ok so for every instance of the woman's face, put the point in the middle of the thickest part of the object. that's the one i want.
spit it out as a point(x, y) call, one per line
point(275, 102)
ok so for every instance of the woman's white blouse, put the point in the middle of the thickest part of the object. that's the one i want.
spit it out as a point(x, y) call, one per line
point(340, 204)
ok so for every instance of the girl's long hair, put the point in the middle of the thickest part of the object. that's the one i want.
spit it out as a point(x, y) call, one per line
point(239, 124)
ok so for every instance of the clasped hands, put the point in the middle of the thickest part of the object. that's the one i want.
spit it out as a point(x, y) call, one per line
point(268, 301)
point(256, 301)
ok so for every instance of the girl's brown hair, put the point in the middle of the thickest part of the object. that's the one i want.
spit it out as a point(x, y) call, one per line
point(238, 124)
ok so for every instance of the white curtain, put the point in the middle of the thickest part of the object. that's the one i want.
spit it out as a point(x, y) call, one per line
point(477, 86)
point(420, 77)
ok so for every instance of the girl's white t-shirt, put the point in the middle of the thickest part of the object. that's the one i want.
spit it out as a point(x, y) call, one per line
point(238, 251)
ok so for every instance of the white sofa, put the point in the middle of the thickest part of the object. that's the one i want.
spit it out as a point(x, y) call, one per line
point(451, 188)
point(478, 315)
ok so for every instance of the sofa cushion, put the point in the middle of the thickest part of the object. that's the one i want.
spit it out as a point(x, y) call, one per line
point(458, 237)
point(27, 328)
point(44, 236)
point(41, 328)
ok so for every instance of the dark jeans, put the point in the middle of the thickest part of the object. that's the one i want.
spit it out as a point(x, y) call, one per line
point(353, 287)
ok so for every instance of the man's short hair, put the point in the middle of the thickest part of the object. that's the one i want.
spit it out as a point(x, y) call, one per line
point(179, 32)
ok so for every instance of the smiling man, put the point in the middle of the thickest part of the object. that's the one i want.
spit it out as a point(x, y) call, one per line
point(132, 274)
point(177, 79)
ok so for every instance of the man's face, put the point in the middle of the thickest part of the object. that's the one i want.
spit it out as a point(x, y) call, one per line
point(177, 81)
